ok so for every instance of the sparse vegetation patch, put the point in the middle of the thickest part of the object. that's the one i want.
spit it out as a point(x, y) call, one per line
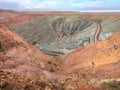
point(111, 85)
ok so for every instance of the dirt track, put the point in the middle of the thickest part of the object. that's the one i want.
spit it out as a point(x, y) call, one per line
point(97, 33)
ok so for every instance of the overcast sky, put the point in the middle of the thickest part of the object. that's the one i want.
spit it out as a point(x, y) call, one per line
point(63, 5)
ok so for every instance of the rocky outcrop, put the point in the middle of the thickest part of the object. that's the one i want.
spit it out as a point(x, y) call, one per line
point(60, 48)
point(65, 29)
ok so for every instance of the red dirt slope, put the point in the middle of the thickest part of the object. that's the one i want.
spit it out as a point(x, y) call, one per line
point(13, 17)
point(99, 60)
point(17, 56)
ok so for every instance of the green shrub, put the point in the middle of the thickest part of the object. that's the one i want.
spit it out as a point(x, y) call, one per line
point(115, 47)
point(34, 43)
point(92, 63)
point(55, 65)
point(49, 62)
point(52, 70)
point(55, 80)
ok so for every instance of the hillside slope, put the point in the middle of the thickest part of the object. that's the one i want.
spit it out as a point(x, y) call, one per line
point(17, 56)
point(97, 61)
point(23, 66)
point(88, 51)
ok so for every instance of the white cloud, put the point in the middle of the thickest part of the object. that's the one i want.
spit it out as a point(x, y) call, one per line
point(52, 4)
point(32, 4)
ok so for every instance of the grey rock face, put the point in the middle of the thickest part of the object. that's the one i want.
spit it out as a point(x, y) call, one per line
point(61, 34)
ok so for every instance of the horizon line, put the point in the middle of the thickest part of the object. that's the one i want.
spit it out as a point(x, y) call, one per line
point(77, 11)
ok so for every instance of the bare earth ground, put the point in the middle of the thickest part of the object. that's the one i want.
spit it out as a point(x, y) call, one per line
point(25, 67)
